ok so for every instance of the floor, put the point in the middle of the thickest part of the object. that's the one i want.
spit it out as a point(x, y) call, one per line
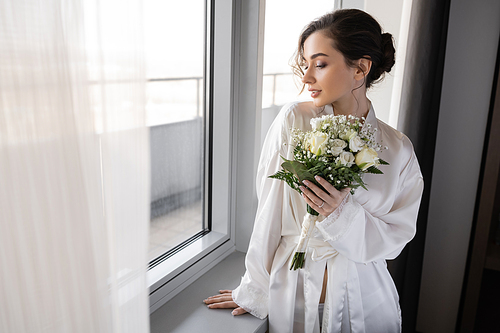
point(171, 229)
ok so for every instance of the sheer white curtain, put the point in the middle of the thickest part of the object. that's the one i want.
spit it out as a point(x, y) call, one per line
point(74, 167)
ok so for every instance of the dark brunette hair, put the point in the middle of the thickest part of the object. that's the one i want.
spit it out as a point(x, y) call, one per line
point(355, 34)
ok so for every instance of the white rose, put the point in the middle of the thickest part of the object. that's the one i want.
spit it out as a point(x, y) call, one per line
point(317, 142)
point(366, 158)
point(346, 158)
point(348, 135)
point(338, 146)
point(356, 143)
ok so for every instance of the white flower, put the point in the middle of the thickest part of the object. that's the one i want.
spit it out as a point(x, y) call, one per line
point(317, 142)
point(346, 158)
point(366, 158)
point(338, 146)
point(315, 123)
point(356, 143)
point(348, 135)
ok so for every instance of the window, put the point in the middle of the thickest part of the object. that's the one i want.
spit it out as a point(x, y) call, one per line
point(190, 56)
point(279, 85)
point(175, 58)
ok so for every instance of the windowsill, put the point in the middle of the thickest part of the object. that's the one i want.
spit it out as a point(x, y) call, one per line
point(186, 312)
point(174, 265)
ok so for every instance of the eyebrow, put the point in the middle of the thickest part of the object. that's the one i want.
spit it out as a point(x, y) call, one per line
point(314, 56)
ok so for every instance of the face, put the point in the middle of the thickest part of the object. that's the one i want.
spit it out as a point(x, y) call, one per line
point(327, 76)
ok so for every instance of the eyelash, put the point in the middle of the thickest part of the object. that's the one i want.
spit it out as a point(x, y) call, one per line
point(317, 66)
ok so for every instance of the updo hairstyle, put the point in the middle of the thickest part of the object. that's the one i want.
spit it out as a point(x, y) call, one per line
point(355, 34)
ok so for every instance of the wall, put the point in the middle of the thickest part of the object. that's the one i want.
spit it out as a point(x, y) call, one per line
point(388, 13)
point(247, 116)
point(471, 50)
point(175, 165)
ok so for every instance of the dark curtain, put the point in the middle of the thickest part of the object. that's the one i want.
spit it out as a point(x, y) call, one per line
point(418, 119)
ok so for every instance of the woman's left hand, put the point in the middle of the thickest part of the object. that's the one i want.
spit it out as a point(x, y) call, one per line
point(323, 202)
point(224, 301)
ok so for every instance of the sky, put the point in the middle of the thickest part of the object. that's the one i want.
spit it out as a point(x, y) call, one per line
point(175, 34)
point(284, 23)
point(174, 46)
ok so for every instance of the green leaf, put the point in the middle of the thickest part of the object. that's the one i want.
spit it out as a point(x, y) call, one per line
point(294, 167)
point(299, 170)
point(317, 169)
point(381, 161)
point(359, 181)
point(373, 169)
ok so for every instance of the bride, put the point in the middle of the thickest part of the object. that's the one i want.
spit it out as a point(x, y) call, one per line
point(345, 285)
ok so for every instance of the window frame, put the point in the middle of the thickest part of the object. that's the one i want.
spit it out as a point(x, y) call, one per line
point(167, 278)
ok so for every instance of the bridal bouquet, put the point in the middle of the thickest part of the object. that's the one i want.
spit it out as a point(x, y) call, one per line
point(338, 149)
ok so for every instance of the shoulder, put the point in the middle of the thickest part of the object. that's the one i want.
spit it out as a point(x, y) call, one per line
point(297, 113)
point(393, 137)
point(291, 115)
point(399, 146)
point(298, 107)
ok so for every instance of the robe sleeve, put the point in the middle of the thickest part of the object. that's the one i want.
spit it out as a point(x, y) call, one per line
point(252, 293)
point(362, 237)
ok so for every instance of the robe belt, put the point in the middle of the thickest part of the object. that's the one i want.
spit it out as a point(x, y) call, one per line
point(343, 282)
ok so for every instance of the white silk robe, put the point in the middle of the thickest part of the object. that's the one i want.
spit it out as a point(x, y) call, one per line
point(352, 243)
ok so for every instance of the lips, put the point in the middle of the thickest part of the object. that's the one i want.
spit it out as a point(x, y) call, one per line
point(314, 92)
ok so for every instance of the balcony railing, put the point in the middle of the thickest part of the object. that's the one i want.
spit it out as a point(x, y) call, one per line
point(274, 76)
point(199, 82)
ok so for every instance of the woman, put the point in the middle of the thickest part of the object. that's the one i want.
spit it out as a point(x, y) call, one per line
point(345, 285)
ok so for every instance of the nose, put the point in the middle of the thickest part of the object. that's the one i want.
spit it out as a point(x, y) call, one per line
point(307, 78)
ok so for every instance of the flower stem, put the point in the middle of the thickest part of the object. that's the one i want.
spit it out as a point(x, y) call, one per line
point(298, 261)
point(312, 211)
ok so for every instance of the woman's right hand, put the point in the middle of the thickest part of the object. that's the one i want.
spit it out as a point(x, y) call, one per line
point(224, 301)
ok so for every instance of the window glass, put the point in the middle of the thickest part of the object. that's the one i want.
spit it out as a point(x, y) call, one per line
point(175, 56)
point(284, 23)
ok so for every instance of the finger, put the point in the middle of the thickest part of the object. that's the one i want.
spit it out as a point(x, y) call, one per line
point(238, 311)
point(225, 291)
point(308, 194)
point(322, 195)
point(313, 205)
point(345, 191)
point(326, 185)
point(223, 305)
point(218, 299)
point(219, 295)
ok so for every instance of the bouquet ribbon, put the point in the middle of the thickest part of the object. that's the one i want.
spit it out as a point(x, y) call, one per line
point(308, 226)
point(343, 280)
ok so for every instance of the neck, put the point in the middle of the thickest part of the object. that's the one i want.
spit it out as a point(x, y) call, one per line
point(356, 104)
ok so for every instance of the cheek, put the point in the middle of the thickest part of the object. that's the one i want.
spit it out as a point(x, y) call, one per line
point(339, 80)
point(346, 73)
point(338, 74)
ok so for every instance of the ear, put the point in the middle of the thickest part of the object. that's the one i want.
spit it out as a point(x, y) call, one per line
point(363, 68)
